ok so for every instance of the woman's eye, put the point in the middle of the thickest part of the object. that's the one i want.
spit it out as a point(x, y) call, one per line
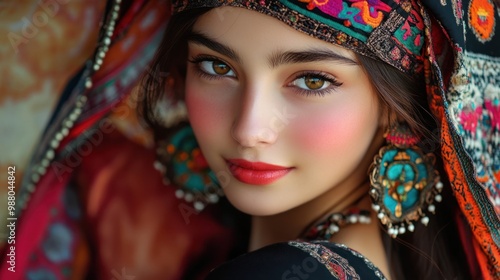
point(311, 82)
point(216, 68)
point(315, 83)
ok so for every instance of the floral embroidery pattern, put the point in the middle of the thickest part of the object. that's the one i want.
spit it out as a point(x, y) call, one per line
point(365, 15)
point(474, 99)
point(482, 19)
point(337, 265)
point(410, 32)
point(334, 260)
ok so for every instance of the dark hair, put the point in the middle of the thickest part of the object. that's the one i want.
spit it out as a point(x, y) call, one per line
point(432, 252)
point(402, 94)
point(167, 70)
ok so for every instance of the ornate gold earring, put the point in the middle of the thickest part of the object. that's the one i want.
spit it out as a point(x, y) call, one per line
point(404, 181)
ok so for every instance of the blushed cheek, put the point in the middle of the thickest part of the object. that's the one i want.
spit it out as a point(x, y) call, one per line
point(204, 115)
point(339, 132)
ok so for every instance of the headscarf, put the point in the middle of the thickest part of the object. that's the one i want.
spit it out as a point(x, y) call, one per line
point(462, 82)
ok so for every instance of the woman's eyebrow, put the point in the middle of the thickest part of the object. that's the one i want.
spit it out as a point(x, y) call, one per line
point(276, 59)
point(311, 55)
point(204, 40)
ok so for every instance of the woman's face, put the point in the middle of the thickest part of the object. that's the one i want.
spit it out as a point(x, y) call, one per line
point(281, 117)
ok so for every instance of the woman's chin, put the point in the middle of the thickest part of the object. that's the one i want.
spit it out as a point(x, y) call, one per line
point(257, 206)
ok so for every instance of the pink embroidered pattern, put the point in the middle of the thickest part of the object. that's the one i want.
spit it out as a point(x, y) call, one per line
point(367, 13)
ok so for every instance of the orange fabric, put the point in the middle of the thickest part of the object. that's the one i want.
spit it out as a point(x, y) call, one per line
point(487, 255)
point(480, 18)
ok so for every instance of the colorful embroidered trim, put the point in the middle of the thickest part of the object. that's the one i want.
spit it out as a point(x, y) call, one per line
point(473, 199)
point(391, 32)
point(338, 266)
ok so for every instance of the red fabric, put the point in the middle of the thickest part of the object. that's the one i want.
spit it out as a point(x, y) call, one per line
point(45, 208)
point(136, 221)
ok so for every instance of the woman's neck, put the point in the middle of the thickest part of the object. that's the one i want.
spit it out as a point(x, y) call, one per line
point(364, 238)
point(292, 224)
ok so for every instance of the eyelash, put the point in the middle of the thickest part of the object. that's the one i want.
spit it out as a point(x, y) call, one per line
point(201, 58)
point(334, 84)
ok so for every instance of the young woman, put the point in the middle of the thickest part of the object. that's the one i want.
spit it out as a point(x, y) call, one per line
point(313, 118)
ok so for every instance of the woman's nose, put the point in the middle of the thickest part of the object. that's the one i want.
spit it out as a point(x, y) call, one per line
point(256, 123)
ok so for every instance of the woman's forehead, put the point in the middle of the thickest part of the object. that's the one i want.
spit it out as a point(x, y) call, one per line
point(391, 31)
point(237, 27)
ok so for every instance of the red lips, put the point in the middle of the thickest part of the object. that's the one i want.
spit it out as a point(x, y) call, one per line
point(256, 173)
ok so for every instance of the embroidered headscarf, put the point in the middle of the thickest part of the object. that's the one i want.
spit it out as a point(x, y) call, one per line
point(463, 85)
point(391, 31)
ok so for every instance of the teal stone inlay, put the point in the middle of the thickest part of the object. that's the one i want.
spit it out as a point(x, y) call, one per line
point(399, 179)
point(411, 199)
point(389, 202)
point(400, 190)
point(404, 186)
point(408, 204)
point(421, 167)
point(184, 141)
point(399, 171)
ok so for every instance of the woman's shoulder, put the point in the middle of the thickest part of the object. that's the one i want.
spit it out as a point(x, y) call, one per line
point(296, 260)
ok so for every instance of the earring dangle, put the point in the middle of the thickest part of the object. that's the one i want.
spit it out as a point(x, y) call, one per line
point(182, 164)
point(404, 182)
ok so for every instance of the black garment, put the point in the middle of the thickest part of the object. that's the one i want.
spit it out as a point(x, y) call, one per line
point(297, 260)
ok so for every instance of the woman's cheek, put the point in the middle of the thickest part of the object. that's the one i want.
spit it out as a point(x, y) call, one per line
point(340, 130)
point(205, 114)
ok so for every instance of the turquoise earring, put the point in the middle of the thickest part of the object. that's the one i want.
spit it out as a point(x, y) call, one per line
point(182, 164)
point(404, 182)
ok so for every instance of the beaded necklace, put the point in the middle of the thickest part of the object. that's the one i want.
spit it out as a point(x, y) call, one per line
point(326, 228)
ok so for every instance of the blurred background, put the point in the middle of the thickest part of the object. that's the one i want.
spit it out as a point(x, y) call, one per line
point(108, 214)
point(42, 45)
